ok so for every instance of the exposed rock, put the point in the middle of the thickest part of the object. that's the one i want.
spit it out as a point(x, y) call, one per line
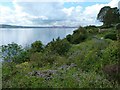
point(63, 67)
point(44, 74)
point(66, 67)
point(73, 65)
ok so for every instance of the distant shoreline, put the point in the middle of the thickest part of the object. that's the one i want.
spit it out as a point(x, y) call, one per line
point(14, 26)
point(38, 27)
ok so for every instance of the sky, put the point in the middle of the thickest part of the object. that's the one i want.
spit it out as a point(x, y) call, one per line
point(52, 12)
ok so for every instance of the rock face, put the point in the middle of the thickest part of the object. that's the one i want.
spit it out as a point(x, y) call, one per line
point(44, 74)
point(47, 74)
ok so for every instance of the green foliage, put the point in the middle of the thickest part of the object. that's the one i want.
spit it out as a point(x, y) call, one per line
point(20, 81)
point(37, 46)
point(110, 54)
point(87, 55)
point(109, 15)
point(76, 65)
point(73, 78)
point(91, 27)
point(10, 51)
point(78, 36)
point(22, 57)
point(69, 37)
point(111, 36)
point(41, 60)
point(59, 46)
point(118, 26)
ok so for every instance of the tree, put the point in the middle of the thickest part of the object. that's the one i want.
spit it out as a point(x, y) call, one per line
point(59, 46)
point(10, 51)
point(37, 46)
point(109, 15)
point(78, 36)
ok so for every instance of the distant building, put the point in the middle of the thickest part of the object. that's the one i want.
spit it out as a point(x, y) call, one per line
point(119, 6)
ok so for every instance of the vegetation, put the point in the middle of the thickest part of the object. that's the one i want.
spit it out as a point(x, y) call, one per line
point(86, 59)
point(109, 16)
point(112, 36)
point(78, 36)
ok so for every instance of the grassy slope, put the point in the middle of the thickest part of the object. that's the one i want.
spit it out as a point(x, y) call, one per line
point(81, 67)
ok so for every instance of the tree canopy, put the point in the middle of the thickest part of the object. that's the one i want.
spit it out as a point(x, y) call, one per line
point(109, 15)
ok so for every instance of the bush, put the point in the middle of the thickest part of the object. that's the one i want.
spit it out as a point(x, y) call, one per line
point(91, 27)
point(111, 36)
point(118, 26)
point(87, 55)
point(73, 78)
point(48, 58)
point(37, 46)
point(78, 36)
point(106, 26)
point(59, 46)
point(22, 57)
point(69, 37)
point(110, 54)
point(10, 51)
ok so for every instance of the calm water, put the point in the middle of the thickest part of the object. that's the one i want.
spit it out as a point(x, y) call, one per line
point(27, 36)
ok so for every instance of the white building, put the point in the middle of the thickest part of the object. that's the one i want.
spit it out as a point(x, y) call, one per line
point(119, 6)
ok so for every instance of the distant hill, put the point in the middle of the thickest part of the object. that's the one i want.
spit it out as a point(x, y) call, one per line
point(15, 26)
point(9, 26)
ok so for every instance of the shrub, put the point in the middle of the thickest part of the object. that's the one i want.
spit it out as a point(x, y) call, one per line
point(87, 55)
point(110, 54)
point(69, 37)
point(10, 51)
point(73, 78)
point(91, 27)
point(111, 36)
point(43, 59)
point(22, 57)
point(118, 26)
point(20, 81)
point(112, 72)
point(59, 46)
point(37, 46)
point(78, 36)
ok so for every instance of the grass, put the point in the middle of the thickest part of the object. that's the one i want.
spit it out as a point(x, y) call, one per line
point(81, 66)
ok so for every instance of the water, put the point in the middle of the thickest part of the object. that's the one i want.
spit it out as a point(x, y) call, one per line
point(27, 36)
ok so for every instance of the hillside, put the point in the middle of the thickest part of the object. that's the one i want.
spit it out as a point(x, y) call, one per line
point(86, 59)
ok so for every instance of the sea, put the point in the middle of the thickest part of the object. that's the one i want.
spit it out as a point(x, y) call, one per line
point(26, 36)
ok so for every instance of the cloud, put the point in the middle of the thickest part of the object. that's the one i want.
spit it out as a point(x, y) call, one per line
point(50, 13)
point(88, 15)
point(47, 9)
point(57, 0)
point(13, 16)
point(113, 3)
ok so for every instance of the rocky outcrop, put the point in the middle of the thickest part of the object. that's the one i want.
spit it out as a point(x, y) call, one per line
point(47, 74)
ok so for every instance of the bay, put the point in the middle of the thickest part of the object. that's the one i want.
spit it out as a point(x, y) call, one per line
point(27, 36)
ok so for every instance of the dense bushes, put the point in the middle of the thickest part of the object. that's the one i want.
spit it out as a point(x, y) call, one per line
point(112, 36)
point(59, 46)
point(118, 26)
point(37, 46)
point(88, 55)
point(10, 51)
point(77, 62)
point(15, 53)
point(78, 36)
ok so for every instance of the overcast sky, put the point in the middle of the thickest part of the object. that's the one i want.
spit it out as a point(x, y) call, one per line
point(52, 12)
